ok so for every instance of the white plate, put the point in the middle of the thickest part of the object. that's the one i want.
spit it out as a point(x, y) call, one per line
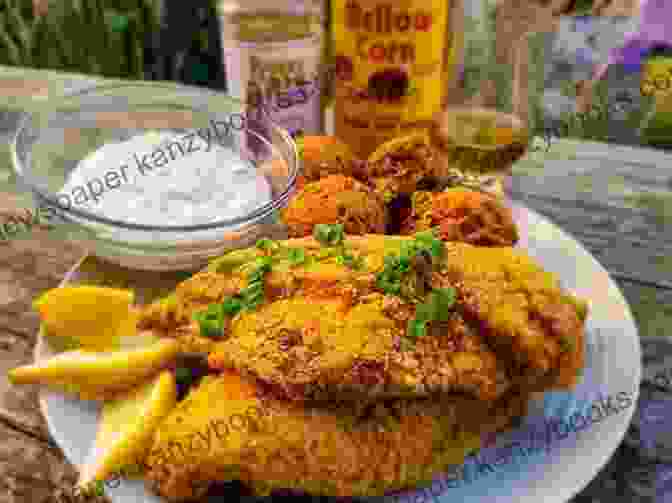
point(551, 475)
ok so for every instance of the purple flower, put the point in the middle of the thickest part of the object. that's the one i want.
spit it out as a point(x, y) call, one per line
point(655, 28)
point(583, 23)
point(656, 20)
point(664, 482)
point(583, 56)
point(655, 420)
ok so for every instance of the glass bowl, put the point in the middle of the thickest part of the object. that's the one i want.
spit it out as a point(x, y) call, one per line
point(185, 175)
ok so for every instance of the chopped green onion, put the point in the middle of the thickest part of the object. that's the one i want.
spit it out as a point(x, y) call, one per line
point(255, 276)
point(232, 306)
point(443, 299)
point(327, 253)
point(427, 240)
point(267, 244)
point(390, 261)
point(329, 234)
point(263, 264)
point(296, 256)
point(391, 288)
point(387, 283)
point(424, 236)
point(255, 287)
point(98, 488)
point(425, 312)
point(211, 321)
point(254, 294)
point(404, 264)
point(437, 248)
point(407, 249)
point(416, 328)
point(349, 260)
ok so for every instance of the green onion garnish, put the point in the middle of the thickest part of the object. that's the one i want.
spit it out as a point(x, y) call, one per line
point(267, 244)
point(328, 234)
point(253, 294)
point(427, 240)
point(349, 260)
point(437, 308)
point(442, 299)
point(296, 256)
point(416, 328)
point(211, 321)
point(262, 264)
point(232, 306)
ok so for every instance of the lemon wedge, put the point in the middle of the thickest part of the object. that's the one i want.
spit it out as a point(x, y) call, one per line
point(93, 317)
point(126, 429)
point(97, 372)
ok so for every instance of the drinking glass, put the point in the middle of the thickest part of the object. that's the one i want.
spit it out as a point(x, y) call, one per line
point(488, 125)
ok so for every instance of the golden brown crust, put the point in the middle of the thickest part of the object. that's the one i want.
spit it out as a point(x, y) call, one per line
point(522, 311)
point(323, 451)
point(513, 325)
point(463, 215)
point(308, 348)
point(327, 330)
point(335, 199)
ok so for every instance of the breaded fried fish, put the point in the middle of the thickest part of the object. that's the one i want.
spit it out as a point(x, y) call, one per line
point(224, 432)
point(382, 316)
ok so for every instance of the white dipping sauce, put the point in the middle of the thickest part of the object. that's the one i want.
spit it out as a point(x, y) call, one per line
point(163, 179)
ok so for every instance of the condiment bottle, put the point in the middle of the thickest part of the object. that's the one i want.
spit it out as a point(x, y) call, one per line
point(272, 58)
point(393, 63)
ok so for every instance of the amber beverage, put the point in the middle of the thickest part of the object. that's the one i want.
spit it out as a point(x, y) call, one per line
point(477, 146)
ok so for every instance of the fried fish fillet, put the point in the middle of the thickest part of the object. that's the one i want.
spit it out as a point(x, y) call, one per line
point(225, 431)
point(325, 329)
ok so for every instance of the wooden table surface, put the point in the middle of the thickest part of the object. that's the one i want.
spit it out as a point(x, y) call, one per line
point(616, 200)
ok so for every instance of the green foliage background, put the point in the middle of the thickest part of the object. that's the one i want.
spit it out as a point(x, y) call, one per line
point(97, 37)
point(107, 38)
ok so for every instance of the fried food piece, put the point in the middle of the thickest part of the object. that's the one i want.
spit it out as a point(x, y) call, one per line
point(221, 433)
point(462, 215)
point(326, 329)
point(399, 167)
point(522, 312)
point(335, 199)
point(324, 155)
point(311, 347)
point(172, 316)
